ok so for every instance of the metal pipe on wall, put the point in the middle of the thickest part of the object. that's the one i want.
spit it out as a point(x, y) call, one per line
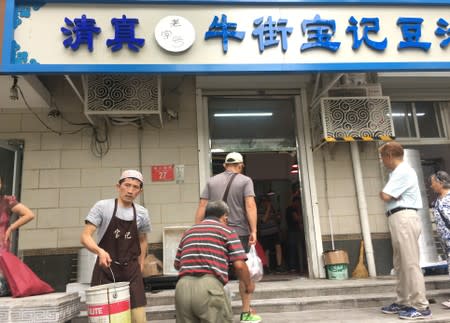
point(362, 206)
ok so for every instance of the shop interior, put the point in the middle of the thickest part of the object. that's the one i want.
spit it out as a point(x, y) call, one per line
point(263, 131)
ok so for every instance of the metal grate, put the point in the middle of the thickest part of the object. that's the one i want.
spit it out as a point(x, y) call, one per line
point(352, 118)
point(123, 95)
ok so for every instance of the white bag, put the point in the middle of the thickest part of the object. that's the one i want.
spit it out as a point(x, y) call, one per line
point(254, 264)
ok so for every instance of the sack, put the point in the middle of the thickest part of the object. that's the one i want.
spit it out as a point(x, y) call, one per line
point(152, 266)
point(254, 264)
point(21, 279)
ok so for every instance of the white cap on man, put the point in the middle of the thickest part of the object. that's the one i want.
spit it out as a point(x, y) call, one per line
point(234, 158)
point(131, 173)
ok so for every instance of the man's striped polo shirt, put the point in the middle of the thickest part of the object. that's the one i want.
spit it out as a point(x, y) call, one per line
point(208, 248)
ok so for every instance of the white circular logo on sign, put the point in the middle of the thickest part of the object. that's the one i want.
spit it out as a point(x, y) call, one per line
point(174, 34)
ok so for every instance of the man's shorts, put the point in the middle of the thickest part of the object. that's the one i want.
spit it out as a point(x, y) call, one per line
point(244, 241)
point(269, 242)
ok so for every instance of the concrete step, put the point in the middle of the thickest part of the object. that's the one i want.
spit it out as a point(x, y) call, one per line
point(308, 303)
point(299, 295)
point(305, 288)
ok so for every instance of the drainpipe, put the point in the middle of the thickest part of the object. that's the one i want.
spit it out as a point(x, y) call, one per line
point(362, 206)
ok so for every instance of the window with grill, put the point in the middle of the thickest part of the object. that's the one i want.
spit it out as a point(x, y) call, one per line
point(422, 119)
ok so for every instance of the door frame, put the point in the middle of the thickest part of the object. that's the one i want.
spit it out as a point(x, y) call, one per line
point(313, 233)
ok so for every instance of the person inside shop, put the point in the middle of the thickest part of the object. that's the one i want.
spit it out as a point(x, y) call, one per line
point(296, 251)
point(121, 246)
point(202, 259)
point(269, 233)
point(402, 198)
point(9, 206)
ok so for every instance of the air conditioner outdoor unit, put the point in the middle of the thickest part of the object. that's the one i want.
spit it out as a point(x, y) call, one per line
point(373, 89)
point(360, 116)
point(123, 95)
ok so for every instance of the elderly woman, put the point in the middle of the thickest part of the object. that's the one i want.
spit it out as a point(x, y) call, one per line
point(8, 206)
point(440, 183)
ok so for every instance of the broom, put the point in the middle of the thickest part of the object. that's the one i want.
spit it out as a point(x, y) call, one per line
point(360, 270)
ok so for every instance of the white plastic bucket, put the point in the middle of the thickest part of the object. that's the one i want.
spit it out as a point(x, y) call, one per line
point(109, 303)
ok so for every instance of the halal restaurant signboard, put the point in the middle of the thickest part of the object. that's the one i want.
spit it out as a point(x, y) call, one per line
point(206, 36)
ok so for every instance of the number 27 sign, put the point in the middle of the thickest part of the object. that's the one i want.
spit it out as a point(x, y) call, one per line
point(162, 173)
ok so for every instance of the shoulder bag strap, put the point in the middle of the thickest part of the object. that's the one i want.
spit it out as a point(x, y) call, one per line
point(446, 222)
point(225, 195)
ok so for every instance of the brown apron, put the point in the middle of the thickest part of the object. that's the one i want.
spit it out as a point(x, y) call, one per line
point(121, 241)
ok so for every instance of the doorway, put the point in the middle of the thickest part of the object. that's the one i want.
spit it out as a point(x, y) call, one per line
point(11, 155)
point(264, 131)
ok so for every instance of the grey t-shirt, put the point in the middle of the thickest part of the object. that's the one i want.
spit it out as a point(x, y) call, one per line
point(241, 187)
point(101, 213)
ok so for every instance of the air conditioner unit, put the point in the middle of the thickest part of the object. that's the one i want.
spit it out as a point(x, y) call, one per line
point(373, 89)
point(123, 95)
point(349, 118)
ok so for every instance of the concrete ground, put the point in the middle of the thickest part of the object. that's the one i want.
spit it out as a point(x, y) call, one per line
point(357, 315)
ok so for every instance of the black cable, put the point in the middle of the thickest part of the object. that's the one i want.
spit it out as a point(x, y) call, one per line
point(99, 146)
point(43, 122)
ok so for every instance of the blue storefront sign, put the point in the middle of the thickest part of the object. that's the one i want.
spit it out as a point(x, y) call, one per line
point(58, 36)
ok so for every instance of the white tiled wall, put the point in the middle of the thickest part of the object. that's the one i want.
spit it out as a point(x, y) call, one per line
point(341, 203)
point(62, 179)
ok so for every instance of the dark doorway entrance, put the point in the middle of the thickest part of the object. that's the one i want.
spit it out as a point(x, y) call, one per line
point(264, 131)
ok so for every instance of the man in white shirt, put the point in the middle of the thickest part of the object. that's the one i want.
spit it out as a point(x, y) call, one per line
point(402, 198)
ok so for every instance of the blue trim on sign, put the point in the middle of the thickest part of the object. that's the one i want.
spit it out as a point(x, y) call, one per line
point(24, 11)
point(223, 68)
point(8, 32)
point(20, 57)
point(259, 2)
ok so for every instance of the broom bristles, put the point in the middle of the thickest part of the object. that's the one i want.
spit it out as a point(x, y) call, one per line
point(360, 270)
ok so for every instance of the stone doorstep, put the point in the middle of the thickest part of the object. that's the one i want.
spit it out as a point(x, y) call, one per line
point(51, 308)
point(300, 304)
point(269, 295)
point(313, 287)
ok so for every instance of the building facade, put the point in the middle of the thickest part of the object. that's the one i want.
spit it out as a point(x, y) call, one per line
point(194, 80)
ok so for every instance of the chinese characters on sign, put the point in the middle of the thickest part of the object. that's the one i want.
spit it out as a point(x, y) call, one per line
point(269, 32)
point(174, 34)
point(163, 173)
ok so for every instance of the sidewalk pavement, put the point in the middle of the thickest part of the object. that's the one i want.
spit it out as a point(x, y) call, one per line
point(357, 315)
